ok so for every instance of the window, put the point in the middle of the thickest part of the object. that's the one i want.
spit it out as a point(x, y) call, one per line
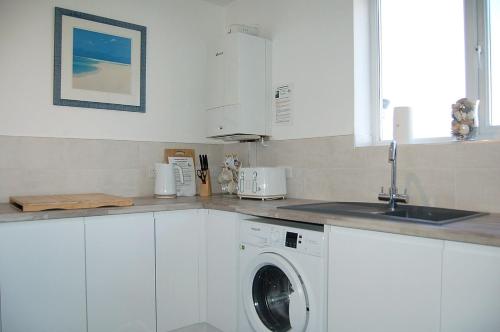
point(428, 55)
point(493, 18)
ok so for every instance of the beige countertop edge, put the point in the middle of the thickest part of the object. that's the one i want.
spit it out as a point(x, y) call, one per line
point(482, 230)
point(395, 227)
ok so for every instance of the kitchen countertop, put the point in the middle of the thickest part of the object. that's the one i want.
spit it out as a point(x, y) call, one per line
point(480, 230)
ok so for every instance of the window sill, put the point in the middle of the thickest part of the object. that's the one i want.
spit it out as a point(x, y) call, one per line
point(437, 141)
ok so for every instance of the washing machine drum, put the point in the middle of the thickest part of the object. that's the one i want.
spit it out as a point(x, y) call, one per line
point(274, 295)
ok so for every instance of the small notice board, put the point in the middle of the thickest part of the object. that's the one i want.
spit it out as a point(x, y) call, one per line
point(283, 110)
point(184, 158)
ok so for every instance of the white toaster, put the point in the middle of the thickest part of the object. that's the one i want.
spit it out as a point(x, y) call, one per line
point(262, 182)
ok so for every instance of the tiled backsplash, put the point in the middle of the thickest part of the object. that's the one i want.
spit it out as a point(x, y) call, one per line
point(456, 175)
point(33, 166)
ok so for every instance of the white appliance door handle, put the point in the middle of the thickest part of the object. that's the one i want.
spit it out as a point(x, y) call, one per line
point(181, 173)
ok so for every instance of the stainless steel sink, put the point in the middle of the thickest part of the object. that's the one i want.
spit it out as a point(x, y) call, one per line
point(411, 213)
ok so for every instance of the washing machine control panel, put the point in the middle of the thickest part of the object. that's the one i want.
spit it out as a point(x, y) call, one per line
point(291, 239)
point(299, 240)
point(304, 241)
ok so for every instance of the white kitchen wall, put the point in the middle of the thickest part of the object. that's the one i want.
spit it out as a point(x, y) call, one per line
point(313, 49)
point(178, 32)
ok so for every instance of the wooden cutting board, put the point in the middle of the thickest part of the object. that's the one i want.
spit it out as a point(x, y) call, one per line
point(68, 202)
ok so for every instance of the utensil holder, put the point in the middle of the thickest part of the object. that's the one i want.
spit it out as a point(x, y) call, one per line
point(206, 188)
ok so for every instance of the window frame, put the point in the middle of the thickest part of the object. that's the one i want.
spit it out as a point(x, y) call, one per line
point(477, 70)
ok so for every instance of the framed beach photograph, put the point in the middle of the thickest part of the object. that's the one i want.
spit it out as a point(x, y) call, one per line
point(99, 62)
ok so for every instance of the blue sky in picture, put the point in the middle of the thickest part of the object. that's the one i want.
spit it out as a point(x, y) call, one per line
point(90, 47)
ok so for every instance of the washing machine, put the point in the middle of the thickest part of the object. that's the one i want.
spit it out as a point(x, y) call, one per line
point(282, 276)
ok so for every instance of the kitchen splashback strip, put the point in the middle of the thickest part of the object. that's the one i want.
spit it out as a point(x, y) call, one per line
point(463, 175)
point(44, 166)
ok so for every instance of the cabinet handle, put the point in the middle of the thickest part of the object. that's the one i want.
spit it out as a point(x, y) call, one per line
point(220, 127)
point(219, 53)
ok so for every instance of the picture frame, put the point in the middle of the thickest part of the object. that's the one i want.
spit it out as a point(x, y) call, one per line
point(99, 62)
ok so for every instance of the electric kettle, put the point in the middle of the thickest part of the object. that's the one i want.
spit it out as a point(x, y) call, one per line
point(165, 180)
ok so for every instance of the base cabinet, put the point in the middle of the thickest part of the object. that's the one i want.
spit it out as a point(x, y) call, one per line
point(222, 270)
point(382, 282)
point(42, 276)
point(179, 268)
point(471, 288)
point(168, 270)
point(120, 258)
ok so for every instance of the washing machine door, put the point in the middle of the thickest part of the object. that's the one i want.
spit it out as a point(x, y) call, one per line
point(274, 296)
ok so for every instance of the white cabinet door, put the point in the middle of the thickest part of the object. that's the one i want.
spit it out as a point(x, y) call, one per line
point(238, 85)
point(120, 259)
point(382, 282)
point(42, 276)
point(471, 288)
point(179, 241)
point(232, 66)
point(216, 75)
point(222, 270)
point(223, 66)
